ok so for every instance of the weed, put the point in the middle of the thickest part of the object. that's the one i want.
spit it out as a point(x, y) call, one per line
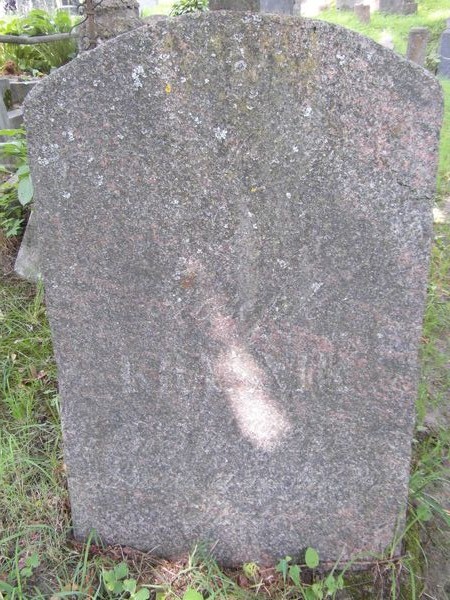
point(38, 58)
point(181, 7)
point(16, 193)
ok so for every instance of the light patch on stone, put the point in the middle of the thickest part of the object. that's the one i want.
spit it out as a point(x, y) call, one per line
point(136, 75)
point(220, 134)
point(258, 418)
point(295, 149)
point(240, 65)
point(66, 195)
point(307, 112)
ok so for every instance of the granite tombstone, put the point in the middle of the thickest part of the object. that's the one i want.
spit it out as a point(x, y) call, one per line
point(444, 53)
point(235, 280)
point(417, 44)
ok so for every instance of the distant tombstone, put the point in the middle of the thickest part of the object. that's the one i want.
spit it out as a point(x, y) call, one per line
point(345, 4)
point(444, 53)
point(417, 45)
point(362, 12)
point(285, 7)
point(111, 18)
point(234, 219)
point(403, 7)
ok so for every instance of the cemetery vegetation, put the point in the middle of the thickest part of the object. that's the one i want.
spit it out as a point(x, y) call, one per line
point(182, 7)
point(39, 558)
point(431, 13)
point(16, 189)
point(16, 59)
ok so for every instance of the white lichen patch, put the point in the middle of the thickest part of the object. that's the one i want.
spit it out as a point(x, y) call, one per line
point(136, 75)
point(295, 149)
point(288, 195)
point(66, 195)
point(307, 112)
point(220, 134)
point(240, 65)
point(50, 154)
point(341, 58)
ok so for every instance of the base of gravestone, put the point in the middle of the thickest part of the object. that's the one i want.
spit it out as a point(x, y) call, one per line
point(27, 264)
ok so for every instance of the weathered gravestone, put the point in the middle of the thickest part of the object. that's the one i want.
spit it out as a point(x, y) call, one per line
point(281, 7)
point(444, 53)
point(417, 44)
point(404, 7)
point(235, 281)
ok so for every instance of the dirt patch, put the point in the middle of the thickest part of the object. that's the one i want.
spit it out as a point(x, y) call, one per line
point(9, 248)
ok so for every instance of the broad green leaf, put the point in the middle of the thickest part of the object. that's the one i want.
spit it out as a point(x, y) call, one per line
point(294, 574)
point(142, 594)
point(191, 594)
point(5, 587)
point(121, 571)
point(282, 567)
point(331, 584)
point(310, 594)
point(311, 558)
point(424, 513)
point(129, 585)
point(25, 191)
point(317, 588)
point(23, 170)
point(32, 560)
point(11, 132)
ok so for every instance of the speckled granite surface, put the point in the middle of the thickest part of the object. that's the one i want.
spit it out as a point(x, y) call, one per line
point(235, 216)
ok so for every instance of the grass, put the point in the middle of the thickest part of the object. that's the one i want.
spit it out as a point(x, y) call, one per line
point(38, 557)
point(431, 14)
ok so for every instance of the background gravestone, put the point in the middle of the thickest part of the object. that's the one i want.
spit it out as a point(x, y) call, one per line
point(444, 53)
point(417, 44)
point(235, 279)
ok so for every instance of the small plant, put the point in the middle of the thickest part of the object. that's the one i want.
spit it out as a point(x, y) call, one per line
point(118, 585)
point(191, 594)
point(39, 58)
point(16, 192)
point(318, 590)
point(251, 570)
point(24, 569)
point(181, 7)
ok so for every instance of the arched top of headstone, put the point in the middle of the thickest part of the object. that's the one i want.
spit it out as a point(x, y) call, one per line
point(235, 70)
